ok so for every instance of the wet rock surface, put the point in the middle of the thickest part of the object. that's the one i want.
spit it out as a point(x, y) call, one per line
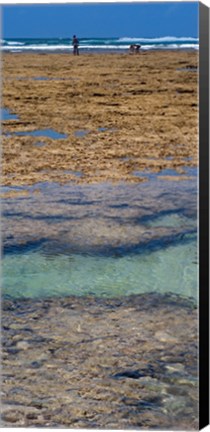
point(88, 362)
point(102, 218)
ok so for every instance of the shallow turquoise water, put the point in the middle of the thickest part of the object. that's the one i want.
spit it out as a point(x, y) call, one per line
point(172, 269)
point(102, 240)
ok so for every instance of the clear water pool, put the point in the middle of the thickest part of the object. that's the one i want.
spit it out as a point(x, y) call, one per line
point(171, 269)
point(103, 240)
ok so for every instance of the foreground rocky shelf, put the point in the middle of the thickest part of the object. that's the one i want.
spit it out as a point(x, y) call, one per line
point(100, 363)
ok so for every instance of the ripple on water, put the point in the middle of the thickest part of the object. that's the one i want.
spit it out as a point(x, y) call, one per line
point(34, 273)
point(188, 171)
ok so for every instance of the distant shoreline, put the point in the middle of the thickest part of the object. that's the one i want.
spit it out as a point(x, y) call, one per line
point(98, 51)
point(94, 44)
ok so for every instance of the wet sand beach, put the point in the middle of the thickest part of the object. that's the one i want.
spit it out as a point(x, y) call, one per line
point(99, 214)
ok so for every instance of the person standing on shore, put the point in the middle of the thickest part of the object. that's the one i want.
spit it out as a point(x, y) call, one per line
point(75, 44)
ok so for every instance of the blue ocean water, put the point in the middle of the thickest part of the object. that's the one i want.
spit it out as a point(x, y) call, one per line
point(98, 44)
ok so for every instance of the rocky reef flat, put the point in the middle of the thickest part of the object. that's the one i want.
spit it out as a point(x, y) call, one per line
point(98, 117)
point(99, 157)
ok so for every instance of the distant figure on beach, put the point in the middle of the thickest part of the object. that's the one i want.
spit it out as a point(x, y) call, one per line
point(134, 48)
point(75, 44)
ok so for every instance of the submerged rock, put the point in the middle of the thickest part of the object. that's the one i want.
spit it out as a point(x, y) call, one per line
point(113, 361)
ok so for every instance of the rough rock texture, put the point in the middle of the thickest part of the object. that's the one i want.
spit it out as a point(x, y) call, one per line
point(131, 113)
point(85, 362)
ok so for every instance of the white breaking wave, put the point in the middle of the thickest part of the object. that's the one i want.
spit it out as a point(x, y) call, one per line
point(14, 43)
point(37, 47)
point(161, 39)
point(45, 47)
point(172, 46)
point(104, 47)
point(62, 47)
point(144, 47)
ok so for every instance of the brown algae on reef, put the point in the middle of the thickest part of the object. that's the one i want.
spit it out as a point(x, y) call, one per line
point(142, 125)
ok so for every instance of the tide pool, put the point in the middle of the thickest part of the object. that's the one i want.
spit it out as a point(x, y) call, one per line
point(5, 114)
point(103, 240)
point(171, 269)
point(50, 133)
